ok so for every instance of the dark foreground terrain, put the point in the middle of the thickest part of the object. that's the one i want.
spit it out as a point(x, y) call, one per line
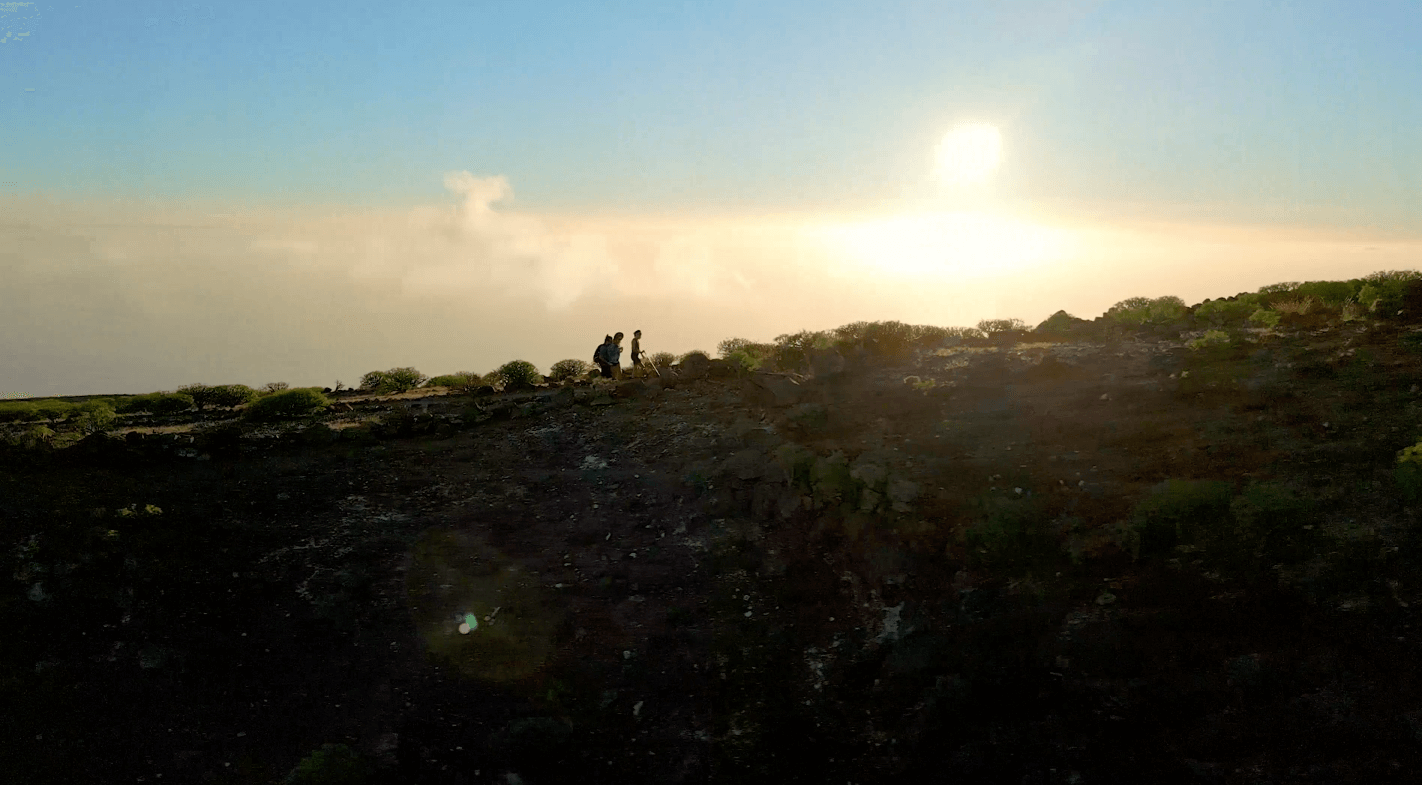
point(1036, 563)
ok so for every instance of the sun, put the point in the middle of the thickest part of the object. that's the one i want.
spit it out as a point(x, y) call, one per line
point(968, 154)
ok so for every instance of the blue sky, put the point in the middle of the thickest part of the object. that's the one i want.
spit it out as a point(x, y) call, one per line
point(170, 170)
point(722, 106)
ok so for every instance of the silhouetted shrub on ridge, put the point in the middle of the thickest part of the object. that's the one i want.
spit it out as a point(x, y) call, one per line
point(519, 373)
point(1139, 311)
point(395, 380)
point(461, 382)
point(568, 369)
point(288, 404)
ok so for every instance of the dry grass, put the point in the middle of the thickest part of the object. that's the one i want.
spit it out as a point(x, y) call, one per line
point(1298, 305)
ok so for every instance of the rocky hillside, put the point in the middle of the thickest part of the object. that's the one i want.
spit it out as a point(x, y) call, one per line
point(1114, 561)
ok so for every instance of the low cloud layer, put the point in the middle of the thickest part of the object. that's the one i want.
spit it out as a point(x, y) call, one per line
point(127, 297)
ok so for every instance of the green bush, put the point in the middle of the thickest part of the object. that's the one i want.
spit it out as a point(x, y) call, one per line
point(1145, 310)
point(286, 405)
point(792, 350)
point(35, 436)
point(1227, 312)
point(1009, 532)
point(663, 359)
point(157, 403)
point(745, 361)
point(1408, 472)
point(461, 382)
point(374, 381)
point(274, 387)
point(683, 358)
point(51, 409)
point(1368, 297)
point(1061, 321)
point(94, 417)
point(569, 369)
point(1264, 508)
point(333, 764)
point(395, 380)
point(519, 372)
point(730, 346)
point(219, 395)
point(1263, 318)
point(991, 326)
point(1209, 339)
point(1330, 293)
point(18, 411)
point(1178, 512)
point(1279, 288)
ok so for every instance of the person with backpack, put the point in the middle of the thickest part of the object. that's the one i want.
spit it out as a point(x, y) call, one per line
point(600, 357)
point(613, 354)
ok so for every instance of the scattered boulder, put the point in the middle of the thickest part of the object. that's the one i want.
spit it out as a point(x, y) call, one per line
point(630, 388)
point(695, 366)
point(721, 369)
point(772, 389)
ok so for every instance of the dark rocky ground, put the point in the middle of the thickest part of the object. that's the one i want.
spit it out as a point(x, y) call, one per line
point(854, 579)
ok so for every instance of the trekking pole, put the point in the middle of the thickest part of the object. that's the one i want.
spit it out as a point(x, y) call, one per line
point(652, 363)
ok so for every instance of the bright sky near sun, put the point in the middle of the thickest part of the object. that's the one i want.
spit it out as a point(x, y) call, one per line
point(308, 191)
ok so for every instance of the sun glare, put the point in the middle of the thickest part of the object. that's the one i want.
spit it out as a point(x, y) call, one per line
point(968, 154)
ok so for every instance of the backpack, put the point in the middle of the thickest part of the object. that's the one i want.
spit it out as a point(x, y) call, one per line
point(598, 359)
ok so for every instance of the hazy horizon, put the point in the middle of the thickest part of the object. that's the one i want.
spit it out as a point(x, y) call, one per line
point(205, 194)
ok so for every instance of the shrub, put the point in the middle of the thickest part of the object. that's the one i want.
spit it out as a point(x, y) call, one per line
point(791, 350)
point(219, 395)
point(332, 764)
point(18, 411)
point(730, 346)
point(519, 372)
point(1145, 310)
point(1368, 297)
point(1061, 321)
point(94, 416)
point(1234, 311)
point(744, 360)
point(1294, 305)
point(1279, 288)
point(463, 381)
point(288, 404)
point(395, 380)
point(1330, 293)
point(1009, 532)
point(663, 359)
point(1177, 512)
point(924, 335)
point(34, 436)
point(492, 379)
point(991, 326)
point(1408, 473)
point(1386, 278)
point(51, 409)
point(168, 403)
point(1269, 319)
point(568, 369)
point(683, 358)
point(403, 379)
point(1352, 312)
point(374, 381)
point(274, 387)
point(1263, 508)
point(1210, 338)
